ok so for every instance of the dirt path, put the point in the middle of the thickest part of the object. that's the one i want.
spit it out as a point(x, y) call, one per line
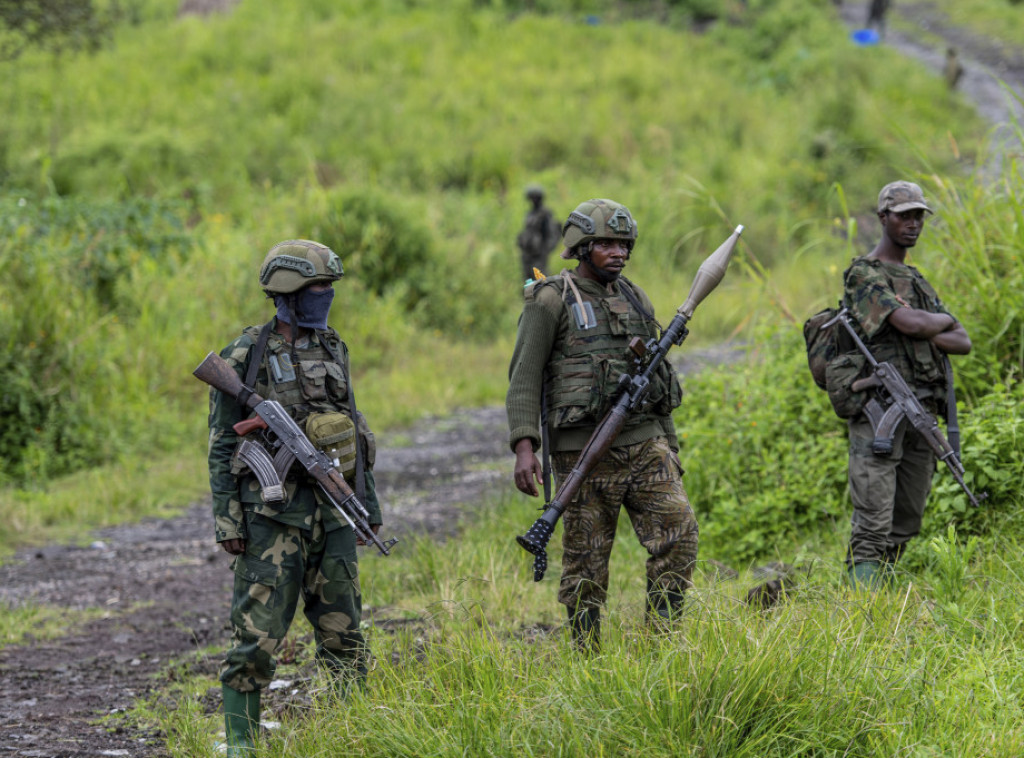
point(162, 586)
point(989, 66)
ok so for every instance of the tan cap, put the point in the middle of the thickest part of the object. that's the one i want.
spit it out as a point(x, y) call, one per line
point(901, 196)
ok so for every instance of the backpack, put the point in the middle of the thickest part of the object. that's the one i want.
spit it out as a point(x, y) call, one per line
point(822, 344)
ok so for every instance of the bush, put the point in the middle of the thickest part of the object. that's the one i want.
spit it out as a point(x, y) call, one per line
point(764, 454)
point(60, 309)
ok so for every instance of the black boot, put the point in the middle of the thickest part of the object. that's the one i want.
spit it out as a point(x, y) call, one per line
point(585, 625)
point(663, 606)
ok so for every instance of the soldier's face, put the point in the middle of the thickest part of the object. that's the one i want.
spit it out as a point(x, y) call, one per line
point(905, 227)
point(609, 256)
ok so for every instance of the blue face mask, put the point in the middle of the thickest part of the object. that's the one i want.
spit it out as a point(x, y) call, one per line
point(313, 308)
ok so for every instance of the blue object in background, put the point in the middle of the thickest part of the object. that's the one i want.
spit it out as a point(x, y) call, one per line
point(865, 37)
point(593, 20)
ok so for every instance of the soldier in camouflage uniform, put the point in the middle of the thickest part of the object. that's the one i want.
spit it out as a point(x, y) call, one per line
point(902, 320)
point(539, 234)
point(298, 547)
point(571, 349)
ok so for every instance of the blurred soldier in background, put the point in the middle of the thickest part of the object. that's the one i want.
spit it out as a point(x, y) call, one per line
point(298, 546)
point(539, 235)
point(876, 15)
point(570, 351)
point(953, 69)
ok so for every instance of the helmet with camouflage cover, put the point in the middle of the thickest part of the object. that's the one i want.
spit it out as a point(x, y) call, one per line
point(294, 264)
point(597, 219)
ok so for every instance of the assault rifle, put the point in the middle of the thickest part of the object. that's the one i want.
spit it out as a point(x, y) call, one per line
point(292, 444)
point(630, 397)
point(897, 403)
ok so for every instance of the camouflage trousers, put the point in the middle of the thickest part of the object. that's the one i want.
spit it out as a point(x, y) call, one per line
point(282, 563)
point(888, 493)
point(646, 479)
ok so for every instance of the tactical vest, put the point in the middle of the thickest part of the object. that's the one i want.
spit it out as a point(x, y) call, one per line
point(917, 360)
point(315, 383)
point(584, 370)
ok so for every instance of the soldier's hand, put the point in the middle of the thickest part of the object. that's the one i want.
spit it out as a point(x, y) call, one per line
point(233, 547)
point(375, 528)
point(528, 471)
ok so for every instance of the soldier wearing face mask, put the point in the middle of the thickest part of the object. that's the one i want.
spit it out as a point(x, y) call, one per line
point(298, 546)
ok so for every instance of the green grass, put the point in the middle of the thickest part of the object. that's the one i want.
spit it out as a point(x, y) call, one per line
point(1002, 21)
point(23, 623)
point(930, 667)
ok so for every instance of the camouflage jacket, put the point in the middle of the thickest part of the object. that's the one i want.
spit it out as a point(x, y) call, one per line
point(316, 383)
point(582, 366)
point(873, 291)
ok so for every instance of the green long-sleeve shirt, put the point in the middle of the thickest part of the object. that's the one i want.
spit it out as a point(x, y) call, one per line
point(543, 330)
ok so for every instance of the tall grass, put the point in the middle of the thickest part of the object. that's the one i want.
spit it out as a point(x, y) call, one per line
point(478, 663)
point(379, 125)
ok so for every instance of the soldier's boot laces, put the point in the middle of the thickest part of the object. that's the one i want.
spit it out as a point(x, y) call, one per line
point(585, 625)
point(241, 721)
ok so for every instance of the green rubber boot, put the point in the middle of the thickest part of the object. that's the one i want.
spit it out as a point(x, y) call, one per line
point(241, 721)
point(867, 575)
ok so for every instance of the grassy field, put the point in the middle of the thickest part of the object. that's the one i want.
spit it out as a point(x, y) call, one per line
point(479, 664)
point(141, 186)
point(402, 136)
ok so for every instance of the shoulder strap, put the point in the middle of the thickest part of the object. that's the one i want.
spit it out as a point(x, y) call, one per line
point(569, 284)
point(626, 288)
point(952, 425)
point(254, 361)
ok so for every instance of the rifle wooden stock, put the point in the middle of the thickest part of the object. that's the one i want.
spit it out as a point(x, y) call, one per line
point(270, 414)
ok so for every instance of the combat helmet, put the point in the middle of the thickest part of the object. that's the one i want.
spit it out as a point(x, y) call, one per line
point(294, 264)
point(532, 191)
point(597, 219)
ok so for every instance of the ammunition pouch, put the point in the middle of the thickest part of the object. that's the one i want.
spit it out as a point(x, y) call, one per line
point(334, 433)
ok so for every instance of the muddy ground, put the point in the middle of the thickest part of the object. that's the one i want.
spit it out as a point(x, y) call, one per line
point(158, 590)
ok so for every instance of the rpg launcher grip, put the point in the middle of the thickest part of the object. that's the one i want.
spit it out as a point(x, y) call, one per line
point(632, 393)
point(271, 415)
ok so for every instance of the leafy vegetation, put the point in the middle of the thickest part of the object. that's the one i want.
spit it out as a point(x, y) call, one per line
point(470, 658)
point(140, 192)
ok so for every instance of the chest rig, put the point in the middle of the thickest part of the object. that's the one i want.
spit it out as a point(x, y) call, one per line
point(305, 380)
point(593, 352)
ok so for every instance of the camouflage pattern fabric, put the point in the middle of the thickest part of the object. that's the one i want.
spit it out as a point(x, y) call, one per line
point(314, 384)
point(280, 564)
point(874, 289)
point(583, 365)
point(646, 479)
point(888, 493)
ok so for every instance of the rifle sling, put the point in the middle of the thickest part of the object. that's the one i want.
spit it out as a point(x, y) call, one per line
point(254, 363)
point(952, 425)
point(250, 379)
